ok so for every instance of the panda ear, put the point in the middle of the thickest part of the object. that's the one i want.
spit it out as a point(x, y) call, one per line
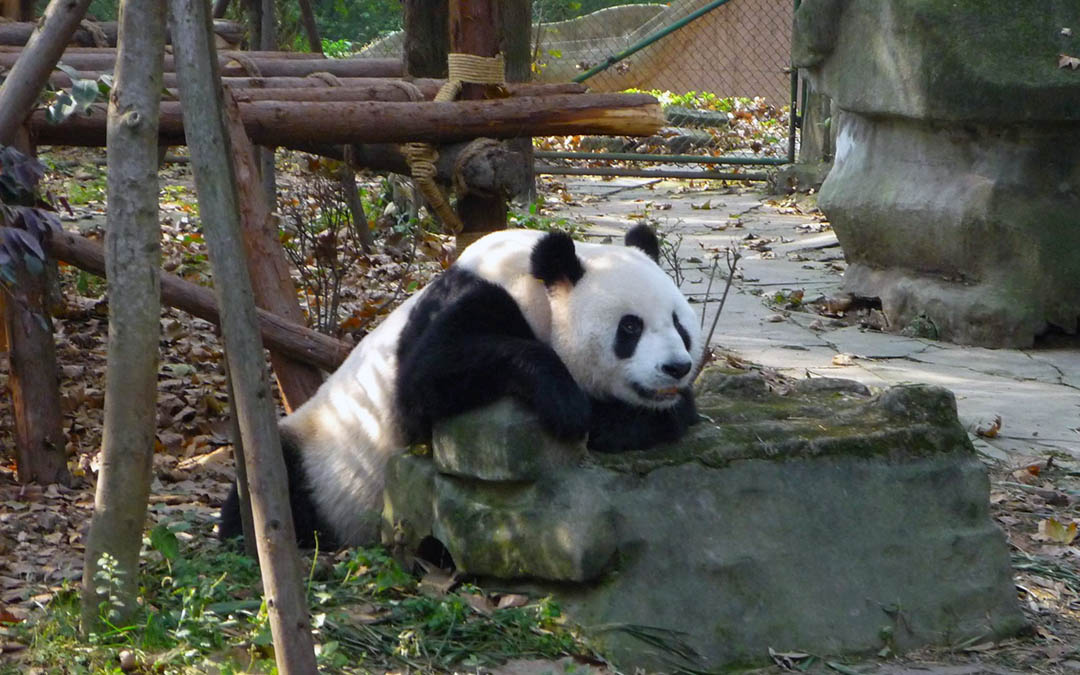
point(642, 237)
point(553, 260)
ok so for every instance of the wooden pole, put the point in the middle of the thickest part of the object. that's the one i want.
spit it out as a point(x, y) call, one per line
point(293, 123)
point(307, 17)
point(39, 439)
point(293, 340)
point(133, 258)
point(215, 183)
point(517, 48)
point(476, 28)
point(267, 265)
point(31, 71)
point(427, 37)
point(40, 454)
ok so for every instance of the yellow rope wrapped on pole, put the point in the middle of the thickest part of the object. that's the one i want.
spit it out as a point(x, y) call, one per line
point(422, 156)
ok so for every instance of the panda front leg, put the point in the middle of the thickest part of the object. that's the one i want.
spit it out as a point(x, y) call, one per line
point(477, 349)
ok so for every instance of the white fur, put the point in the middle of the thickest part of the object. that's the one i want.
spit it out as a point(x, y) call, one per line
point(347, 431)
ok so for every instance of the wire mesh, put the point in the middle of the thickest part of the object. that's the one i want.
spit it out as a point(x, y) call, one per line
point(723, 78)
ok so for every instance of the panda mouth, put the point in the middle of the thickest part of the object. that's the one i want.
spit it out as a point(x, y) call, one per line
point(663, 395)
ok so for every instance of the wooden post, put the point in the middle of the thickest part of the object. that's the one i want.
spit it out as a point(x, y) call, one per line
point(133, 259)
point(40, 454)
point(307, 17)
point(427, 37)
point(476, 28)
point(30, 73)
point(215, 182)
point(267, 265)
point(39, 438)
point(517, 49)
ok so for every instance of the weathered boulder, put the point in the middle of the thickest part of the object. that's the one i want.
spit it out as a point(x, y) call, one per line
point(954, 191)
point(797, 515)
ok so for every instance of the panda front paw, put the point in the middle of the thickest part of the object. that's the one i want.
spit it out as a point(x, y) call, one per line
point(564, 412)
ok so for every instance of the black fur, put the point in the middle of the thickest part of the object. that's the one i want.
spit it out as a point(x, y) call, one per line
point(627, 335)
point(682, 331)
point(307, 522)
point(467, 344)
point(642, 237)
point(554, 260)
point(616, 426)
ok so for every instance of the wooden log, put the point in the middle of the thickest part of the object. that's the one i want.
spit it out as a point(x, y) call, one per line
point(269, 270)
point(293, 123)
point(493, 170)
point(236, 64)
point(381, 89)
point(298, 342)
point(211, 164)
point(476, 28)
point(40, 452)
point(16, 33)
point(31, 67)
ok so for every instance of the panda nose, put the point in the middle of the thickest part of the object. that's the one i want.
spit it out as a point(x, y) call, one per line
point(676, 369)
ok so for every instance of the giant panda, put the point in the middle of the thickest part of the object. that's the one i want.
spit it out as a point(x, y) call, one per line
point(595, 338)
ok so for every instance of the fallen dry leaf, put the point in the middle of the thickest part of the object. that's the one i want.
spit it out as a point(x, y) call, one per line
point(1066, 61)
point(843, 360)
point(990, 431)
point(1056, 532)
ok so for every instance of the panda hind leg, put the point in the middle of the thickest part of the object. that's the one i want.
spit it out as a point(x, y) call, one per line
point(311, 529)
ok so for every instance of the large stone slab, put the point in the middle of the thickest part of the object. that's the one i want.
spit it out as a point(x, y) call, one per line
point(954, 191)
point(797, 515)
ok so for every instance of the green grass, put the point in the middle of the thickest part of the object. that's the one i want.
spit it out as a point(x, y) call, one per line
point(200, 611)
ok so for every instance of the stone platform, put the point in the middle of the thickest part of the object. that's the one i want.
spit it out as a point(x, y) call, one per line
point(798, 515)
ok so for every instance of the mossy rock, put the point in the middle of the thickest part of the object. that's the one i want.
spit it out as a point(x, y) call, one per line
point(804, 515)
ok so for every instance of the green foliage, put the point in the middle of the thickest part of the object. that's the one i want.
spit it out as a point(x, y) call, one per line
point(200, 611)
point(535, 219)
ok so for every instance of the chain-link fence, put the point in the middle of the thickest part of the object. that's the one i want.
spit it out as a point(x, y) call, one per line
point(721, 69)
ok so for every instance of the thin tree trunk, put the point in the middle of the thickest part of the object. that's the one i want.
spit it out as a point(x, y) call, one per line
point(517, 48)
point(133, 257)
point(33, 379)
point(220, 7)
point(307, 17)
point(30, 73)
point(476, 28)
point(35, 388)
point(215, 183)
point(352, 198)
point(427, 37)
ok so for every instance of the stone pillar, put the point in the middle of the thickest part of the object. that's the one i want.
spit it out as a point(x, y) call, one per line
point(955, 191)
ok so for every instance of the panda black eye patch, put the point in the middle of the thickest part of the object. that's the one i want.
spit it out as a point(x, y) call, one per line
point(681, 331)
point(628, 335)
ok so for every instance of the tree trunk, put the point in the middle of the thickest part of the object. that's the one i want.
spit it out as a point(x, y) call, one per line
point(35, 395)
point(269, 270)
point(133, 258)
point(298, 123)
point(215, 184)
point(427, 37)
point(517, 49)
point(493, 169)
point(307, 17)
point(476, 28)
point(30, 73)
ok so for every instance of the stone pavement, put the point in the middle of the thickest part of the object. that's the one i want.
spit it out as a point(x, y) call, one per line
point(1035, 392)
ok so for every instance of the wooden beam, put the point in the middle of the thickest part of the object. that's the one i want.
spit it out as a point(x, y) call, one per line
point(294, 340)
point(290, 123)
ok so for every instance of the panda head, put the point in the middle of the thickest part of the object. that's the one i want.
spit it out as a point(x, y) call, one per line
point(618, 322)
